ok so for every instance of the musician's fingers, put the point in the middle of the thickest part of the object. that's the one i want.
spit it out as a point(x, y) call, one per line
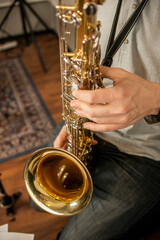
point(61, 139)
point(94, 142)
point(102, 127)
point(95, 96)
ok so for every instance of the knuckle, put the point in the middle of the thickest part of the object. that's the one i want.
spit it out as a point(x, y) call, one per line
point(121, 93)
point(123, 109)
point(96, 120)
point(92, 97)
point(91, 113)
point(125, 119)
point(106, 128)
point(122, 72)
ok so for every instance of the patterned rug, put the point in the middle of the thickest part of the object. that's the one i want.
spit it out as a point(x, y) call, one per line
point(25, 123)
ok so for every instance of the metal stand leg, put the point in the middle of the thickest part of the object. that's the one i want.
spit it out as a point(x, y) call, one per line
point(7, 14)
point(38, 17)
point(7, 202)
point(25, 19)
point(22, 13)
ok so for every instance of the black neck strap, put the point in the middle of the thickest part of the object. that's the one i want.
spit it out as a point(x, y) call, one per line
point(114, 45)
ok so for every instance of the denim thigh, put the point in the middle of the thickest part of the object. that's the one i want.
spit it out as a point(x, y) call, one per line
point(126, 187)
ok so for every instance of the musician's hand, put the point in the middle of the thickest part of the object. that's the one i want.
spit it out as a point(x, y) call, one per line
point(130, 99)
point(62, 139)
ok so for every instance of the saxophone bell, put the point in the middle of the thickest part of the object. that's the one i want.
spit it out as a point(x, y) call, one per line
point(57, 181)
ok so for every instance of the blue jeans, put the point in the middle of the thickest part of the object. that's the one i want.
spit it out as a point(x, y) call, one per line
point(125, 199)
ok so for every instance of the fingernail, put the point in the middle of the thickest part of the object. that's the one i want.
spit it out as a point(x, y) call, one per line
point(85, 126)
point(94, 142)
point(74, 93)
point(73, 104)
point(79, 112)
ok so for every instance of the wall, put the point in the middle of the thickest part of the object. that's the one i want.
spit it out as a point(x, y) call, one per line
point(5, 3)
point(45, 9)
point(13, 24)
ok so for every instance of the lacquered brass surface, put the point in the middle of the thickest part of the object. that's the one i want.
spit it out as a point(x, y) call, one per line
point(79, 67)
point(58, 180)
point(47, 187)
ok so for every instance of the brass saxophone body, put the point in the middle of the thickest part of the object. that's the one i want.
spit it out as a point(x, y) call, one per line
point(58, 180)
point(79, 68)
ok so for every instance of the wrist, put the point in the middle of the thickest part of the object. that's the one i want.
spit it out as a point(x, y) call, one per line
point(156, 97)
point(155, 112)
point(151, 119)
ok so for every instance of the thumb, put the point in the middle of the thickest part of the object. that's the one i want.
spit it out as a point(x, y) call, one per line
point(115, 74)
point(61, 138)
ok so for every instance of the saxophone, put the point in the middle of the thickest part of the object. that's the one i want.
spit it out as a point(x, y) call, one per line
point(58, 180)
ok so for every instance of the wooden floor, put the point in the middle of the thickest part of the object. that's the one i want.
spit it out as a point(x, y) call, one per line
point(43, 225)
